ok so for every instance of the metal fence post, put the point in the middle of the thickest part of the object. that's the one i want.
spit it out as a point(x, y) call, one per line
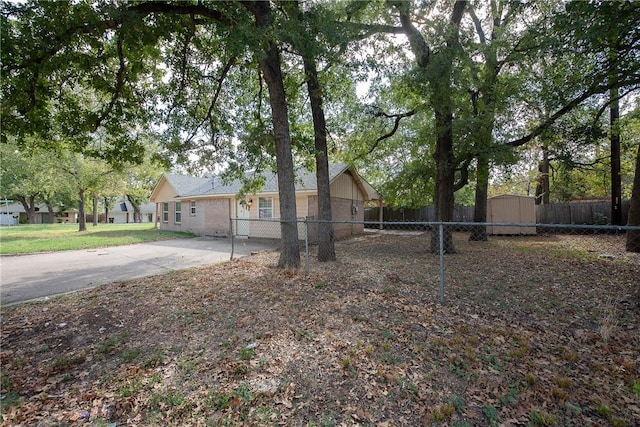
point(441, 231)
point(231, 236)
point(306, 244)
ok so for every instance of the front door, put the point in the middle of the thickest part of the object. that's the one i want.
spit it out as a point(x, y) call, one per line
point(242, 223)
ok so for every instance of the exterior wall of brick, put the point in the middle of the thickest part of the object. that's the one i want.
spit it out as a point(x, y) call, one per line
point(211, 217)
point(215, 221)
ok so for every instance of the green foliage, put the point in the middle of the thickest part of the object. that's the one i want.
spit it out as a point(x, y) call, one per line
point(65, 363)
point(129, 355)
point(457, 402)
point(167, 398)
point(491, 414)
point(246, 353)
point(541, 419)
point(66, 77)
point(33, 174)
point(102, 78)
point(580, 160)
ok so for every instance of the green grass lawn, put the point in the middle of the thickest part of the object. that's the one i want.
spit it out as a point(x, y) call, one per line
point(62, 237)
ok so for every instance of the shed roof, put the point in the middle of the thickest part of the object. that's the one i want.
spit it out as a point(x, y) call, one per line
point(511, 196)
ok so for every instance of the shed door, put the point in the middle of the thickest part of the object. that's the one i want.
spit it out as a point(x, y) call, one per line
point(242, 225)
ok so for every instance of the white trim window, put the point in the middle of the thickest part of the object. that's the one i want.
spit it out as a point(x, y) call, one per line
point(192, 208)
point(165, 212)
point(265, 208)
point(178, 212)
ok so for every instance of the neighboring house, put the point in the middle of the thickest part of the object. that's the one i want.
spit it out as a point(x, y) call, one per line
point(204, 206)
point(122, 212)
point(10, 213)
point(14, 214)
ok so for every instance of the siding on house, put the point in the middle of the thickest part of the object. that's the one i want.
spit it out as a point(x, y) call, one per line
point(344, 187)
point(347, 210)
point(166, 193)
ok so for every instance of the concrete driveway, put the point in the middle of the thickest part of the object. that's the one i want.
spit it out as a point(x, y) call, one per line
point(27, 277)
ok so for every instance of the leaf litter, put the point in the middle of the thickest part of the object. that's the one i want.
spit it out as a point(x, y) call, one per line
point(535, 330)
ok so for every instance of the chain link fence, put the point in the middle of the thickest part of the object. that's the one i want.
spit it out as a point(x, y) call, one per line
point(438, 254)
point(524, 313)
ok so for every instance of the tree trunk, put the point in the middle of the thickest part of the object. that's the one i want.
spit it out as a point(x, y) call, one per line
point(445, 177)
point(479, 233)
point(29, 206)
point(135, 203)
point(484, 110)
point(633, 236)
point(543, 188)
point(52, 214)
point(82, 220)
point(438, 68)
point(95, 210)
point(270, 65)
point(326, 247)
point(616, 180)
point(442, 103)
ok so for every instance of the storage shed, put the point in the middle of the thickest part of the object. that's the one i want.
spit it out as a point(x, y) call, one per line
point(511, 209)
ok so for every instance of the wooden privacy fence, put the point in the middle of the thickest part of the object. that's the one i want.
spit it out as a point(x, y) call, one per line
point(424, 214)
point(588, 213)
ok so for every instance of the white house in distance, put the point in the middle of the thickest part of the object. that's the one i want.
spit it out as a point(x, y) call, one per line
point(122, 212)
point(13, 213)
point(204, 206)
point(10, 212)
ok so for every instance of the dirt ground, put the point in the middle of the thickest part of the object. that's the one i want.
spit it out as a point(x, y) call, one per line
point(540, 331)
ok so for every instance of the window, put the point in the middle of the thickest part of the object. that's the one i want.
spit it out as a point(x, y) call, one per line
point(192, 208)
point(265, 207)
point(178, 213)
point(165, 212)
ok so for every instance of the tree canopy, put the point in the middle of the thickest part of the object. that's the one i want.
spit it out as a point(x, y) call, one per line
point(454, 88)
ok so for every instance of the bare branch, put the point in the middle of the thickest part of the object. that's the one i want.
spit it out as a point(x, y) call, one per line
point(464, 174)
point(396, 124)
point(566, 109)
point(417, 42)
point(119, 85)
point(209, 115)
point(606, 105)
point(478, 25)
point(197, 9)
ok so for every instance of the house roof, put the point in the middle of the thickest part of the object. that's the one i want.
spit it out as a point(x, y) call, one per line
point(126, 206)
point(185, 184)
point(15, 207)
point(305, 180)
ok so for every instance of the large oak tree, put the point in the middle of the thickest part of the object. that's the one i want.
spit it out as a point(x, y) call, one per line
point(100, 65)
